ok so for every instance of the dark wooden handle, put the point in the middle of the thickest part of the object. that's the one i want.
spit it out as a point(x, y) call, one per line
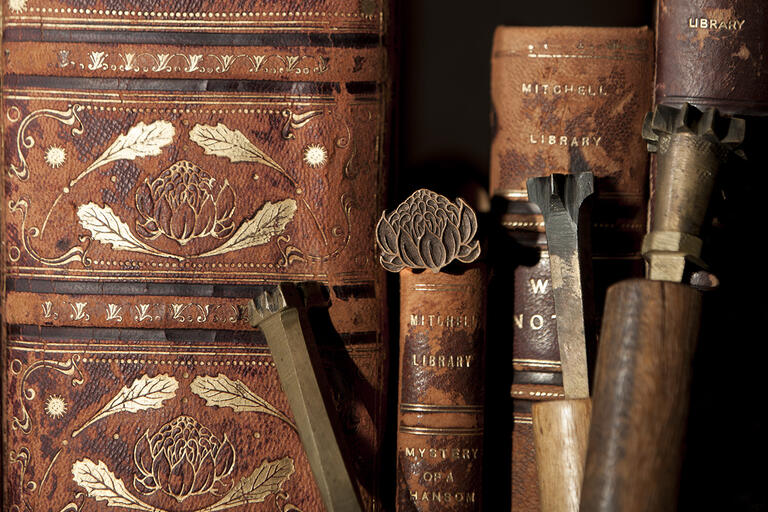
point(560, 432)
point(641, 396)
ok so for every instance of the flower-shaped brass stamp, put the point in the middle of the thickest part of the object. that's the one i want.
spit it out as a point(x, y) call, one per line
point(427, 231)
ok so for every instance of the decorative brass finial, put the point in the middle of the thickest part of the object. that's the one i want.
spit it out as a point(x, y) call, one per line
point(427, 231)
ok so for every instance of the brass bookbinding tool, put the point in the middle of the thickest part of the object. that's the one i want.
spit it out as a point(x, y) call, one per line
point(281, 315)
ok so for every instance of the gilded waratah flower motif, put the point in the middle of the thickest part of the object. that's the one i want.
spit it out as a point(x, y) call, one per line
point(182, 459)
point(185, 203)
point(427, 231)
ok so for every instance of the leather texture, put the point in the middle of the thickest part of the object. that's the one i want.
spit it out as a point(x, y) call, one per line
point(565, 99)
point(710, 53)
point(168, 161)
point(441, 396)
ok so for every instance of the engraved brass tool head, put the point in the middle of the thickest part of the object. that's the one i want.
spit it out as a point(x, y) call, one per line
point(427, 231)
point(692, 145)
point(282, 317)
point(560, 198)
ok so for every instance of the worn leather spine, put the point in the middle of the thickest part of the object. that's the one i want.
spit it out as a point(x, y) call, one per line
point(710, 54)
point(440, 418)
point(164, 163)
point(565, 99)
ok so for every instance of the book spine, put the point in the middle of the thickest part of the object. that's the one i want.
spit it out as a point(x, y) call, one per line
point(440, 420)
point(566, 99)
point(165, 163)
point(710, 53)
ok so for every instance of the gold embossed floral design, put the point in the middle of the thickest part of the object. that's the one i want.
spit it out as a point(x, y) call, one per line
point(182, 459)
point(185, 203)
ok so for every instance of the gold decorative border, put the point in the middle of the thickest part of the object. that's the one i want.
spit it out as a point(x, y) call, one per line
point(441, 431)
point(369, 19)
point(262, 272)
point(428, 408)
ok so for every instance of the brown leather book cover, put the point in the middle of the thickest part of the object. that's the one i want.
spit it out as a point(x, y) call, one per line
point(440, 419)
point(164, 163)
point(711, 53)
point(566, 99)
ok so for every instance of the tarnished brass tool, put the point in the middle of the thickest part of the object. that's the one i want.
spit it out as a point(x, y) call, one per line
point(282, 316)
point(561, 427)
point(691, 146)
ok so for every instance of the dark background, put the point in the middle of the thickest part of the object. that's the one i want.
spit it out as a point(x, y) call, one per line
point(442, 140)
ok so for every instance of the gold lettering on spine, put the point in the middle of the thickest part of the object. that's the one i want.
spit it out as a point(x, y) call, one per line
point(437, 476)
point(534, 322)
point(715, 24)
point(442, 361)
point(447, 497)
point(563, 89)
point(438, 320)
point(564, 140)
point(539, 285)
point(442, 453)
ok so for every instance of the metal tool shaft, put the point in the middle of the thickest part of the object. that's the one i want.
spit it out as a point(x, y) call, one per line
point(560, 198)
point(282, 318)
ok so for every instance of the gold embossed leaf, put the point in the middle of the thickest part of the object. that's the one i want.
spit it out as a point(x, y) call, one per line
point(141, 140)
point(144, 393)
point(106, 227)
point(102, 485)
point(270, 220)
point(222, 391)
point(221, 141)
point(265, 480)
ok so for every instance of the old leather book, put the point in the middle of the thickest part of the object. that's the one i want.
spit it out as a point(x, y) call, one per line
point(565, 99)
point(440, 420)
point(712, 54)
point(165, 162)
point(709, 54)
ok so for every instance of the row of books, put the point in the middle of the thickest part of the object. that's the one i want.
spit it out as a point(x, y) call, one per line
point(569, 100)
point(166, 162)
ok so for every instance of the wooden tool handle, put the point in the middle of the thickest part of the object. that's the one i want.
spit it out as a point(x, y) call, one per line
point(561, 429)
point(641, 396)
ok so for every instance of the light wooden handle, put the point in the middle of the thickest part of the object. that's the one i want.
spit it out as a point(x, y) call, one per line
point(561, 430)
point(641, 396)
